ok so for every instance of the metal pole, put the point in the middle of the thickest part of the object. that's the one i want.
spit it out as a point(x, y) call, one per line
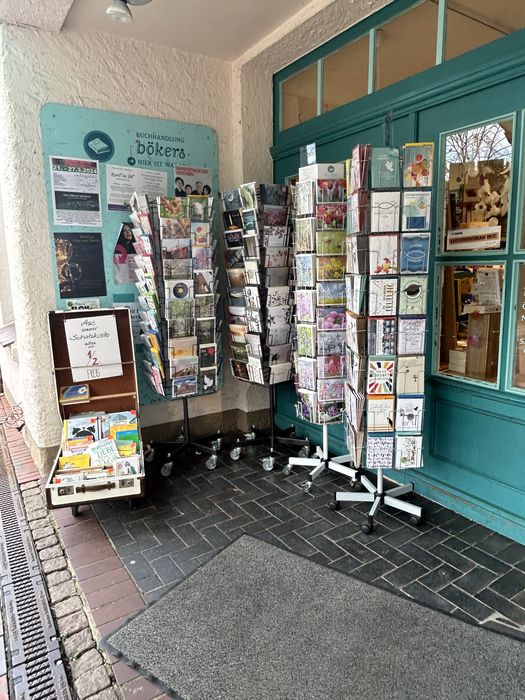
point(272, 412)
point(186, 420)
point(325, 442)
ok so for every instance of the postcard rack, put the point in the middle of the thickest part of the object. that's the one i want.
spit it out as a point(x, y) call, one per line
point(320, 317)
point(100, 456)
point(258, 255)
point(387, 281)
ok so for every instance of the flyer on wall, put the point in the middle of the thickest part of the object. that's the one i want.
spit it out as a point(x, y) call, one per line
point(80, 265)
point(192, 180)
point(75, 188)
point(122, 181)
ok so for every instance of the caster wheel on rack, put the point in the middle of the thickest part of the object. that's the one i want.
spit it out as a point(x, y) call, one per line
point(216, 444)
point(211, 462)
point(268, 463)
point(166, 468)
point(334, 505)
point(287, 470)
point(307, 486)
point(415, 520)
point(149, 454)
point(75, 511)
point(304, 451)
point(235, 453)
point(366, 528)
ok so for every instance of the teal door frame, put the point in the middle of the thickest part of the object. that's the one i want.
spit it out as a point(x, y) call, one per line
point(474, 433)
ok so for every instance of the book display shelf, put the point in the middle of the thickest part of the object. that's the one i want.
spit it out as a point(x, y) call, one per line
point(320, 263)
point(388, 245)
point(101, 455)
point(178, 295)
point(257, 241)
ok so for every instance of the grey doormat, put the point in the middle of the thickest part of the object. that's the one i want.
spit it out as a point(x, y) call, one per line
point(259, 623)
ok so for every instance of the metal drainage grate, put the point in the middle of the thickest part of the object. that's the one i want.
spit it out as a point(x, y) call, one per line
point(35, 665)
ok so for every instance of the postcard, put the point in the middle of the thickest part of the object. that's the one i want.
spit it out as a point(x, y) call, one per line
point(182, 347)
point(184, 386)
point(356, 333)
point(355, 286)
point(179, 289)
point(239, 351)
point(380, 375)
point(176, 248)
point(331, 293)
point(409, 452)
point(382, 296)
point(307, 405)
point(207, 355)
point(379, 452)
point(177, 269)
point(330, 389)
point(331, 242)
point(329, 190)
point(202, 257)
point(331, 216)
point(280, 354)
point(331, 318)
point(359, 166)
point(411, 332)
point(236, 277)
point(278, 296)
point(208, 380)
point(277, 335)
point(175, 228)
point(383, 254)
point(330, 411)
point(416, 210)
point(234, 257)
point(277, 276)
point(275, 195)
point(305, 300)
point(413, 295)
point(331, 267)
point(279, 315)
point(276, 257)
point(240, 370)
point(275, 216)
point(249, 220)
point(409, 414)
point(233, 238)
point(329, 366)
point(249, 195)
point(203, 282)
point(385, 168)
point(232, 200)
point(275, 236)
point(205, 330)
point(251, 245)
point(382, 336)
point(415, 250)
point(280, 373)
point(306, 340)
point(306, 373)
point(385, 211)
point(254, 321)
point(357, 211)
point(357, 254)
point(251, 271)
point(305, 234)
point(380, 414)
point(330, 342)
point(305, 270)
point(410, 374)
point(418, 162)
point(184, 366)
point(305, 197)
point(237, 332)
point(251, 296)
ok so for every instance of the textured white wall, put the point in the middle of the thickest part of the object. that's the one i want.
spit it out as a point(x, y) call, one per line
point(37, 67)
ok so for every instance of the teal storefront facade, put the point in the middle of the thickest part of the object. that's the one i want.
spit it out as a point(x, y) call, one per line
point(474, 430)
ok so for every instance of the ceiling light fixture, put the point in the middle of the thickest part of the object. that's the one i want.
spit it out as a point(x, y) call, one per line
point(119, 10)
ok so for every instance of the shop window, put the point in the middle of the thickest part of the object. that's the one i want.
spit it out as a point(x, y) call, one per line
point(299, 97)
point(471, 299)
point(518, 377)
point(345, 74)
point(476, 189)
point(406, 44)
point(473, 23)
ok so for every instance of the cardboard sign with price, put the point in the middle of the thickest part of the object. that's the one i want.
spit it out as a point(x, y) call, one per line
point(93, 346)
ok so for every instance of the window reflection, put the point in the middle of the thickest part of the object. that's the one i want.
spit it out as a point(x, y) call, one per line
point(299, 97)
point(345, 74)
point(477, 187)
point(519, 335)
point(470, 321)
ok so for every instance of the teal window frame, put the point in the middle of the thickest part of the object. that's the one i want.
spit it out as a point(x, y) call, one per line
point(367, 26)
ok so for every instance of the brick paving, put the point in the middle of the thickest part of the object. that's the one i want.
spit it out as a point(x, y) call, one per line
point(448, 562)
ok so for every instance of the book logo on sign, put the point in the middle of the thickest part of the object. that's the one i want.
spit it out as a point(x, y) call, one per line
point(99, 146)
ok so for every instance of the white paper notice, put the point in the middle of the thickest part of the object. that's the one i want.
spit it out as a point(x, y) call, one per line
point(93, 346)
point(76, 191)
point(123, 181)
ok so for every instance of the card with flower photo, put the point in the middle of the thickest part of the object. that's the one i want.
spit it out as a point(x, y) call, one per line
point(275, 236)
point(331, 267)
point(330, 191)
point(306, 337)
point(275, 216)
point(305, 305)
point(331, 242)
point(330, 342)
point(306, 373)
point(383, 254)
point(330, 389)
point(331, 318)
point(305, 270)
point(331, 293)
point(330, 366)
point(330, 411)
point(331, 216)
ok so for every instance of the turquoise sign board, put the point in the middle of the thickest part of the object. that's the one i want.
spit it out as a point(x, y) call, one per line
point(91, 159)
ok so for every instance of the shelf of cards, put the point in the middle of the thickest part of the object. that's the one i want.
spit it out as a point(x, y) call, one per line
point(100, 456)
point(320, 292)
point(257, 258)
point(178, 294)
point(388, 245)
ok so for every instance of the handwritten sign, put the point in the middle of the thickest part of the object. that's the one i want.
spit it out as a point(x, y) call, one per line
point(93, 346)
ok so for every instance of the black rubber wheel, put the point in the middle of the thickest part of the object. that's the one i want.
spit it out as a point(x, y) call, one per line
point(366, 529)
point(75, 510)
point(334, 505)
point(415, 520)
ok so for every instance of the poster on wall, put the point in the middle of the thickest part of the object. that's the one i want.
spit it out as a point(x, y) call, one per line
point(80, 265)
point(93, 347)
point(75, 191)
point(192, 180)
point(122, 181)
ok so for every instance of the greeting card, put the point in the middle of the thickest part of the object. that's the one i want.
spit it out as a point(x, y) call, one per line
point(331, 216)
point(410, 374)
point(306, 339)
point(382, 336)
point(385, 210)
point(330, 242)
point(330, 342)
point(356, 333)
point(382, 296)
point(305, 234)
point(416, 210)
point(409, 414)
point(411, 335)
point(330, 389)
point(418, 160)
point(415, 249)
point(305, 270)
point(409, 452)
point(330, 366)
point(380, 414)
point(381, 375)
point(330, 267)
point(331, 293)
point(413, 294)
point(305, 305)
point(331, 318)
point(379, 452)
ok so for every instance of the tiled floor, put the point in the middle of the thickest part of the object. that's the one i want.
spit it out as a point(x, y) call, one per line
point(448, 562)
